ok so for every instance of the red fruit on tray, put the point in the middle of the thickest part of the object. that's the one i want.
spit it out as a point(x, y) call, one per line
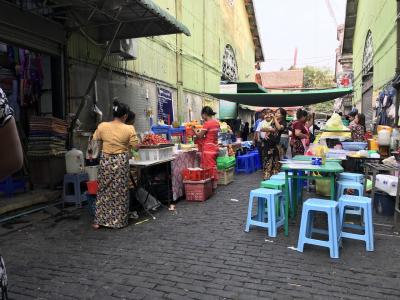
point(153, 139)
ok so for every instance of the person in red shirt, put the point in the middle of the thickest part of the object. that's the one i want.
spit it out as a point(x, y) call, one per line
point(208, 137)
point(300, 132)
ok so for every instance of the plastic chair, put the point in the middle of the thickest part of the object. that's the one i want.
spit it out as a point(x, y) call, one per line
point(266, 218)
point(346, 176)
point(72, 191)
point(245, 164)
point(331, 208)
point(364, 204)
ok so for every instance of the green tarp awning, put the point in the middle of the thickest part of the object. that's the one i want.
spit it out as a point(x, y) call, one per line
point(284, 99)
point(248, 87)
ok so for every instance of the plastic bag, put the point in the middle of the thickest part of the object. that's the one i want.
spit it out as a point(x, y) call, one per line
point(93, 149)
point(322, 186)
point(335, 123)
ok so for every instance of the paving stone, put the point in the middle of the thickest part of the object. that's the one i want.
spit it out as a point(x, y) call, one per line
point(202, 252)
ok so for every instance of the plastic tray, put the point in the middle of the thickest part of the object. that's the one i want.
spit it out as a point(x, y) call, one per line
point(156, 154)
point(354, 146)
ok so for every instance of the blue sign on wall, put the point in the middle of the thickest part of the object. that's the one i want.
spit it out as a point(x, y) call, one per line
point(165, 108)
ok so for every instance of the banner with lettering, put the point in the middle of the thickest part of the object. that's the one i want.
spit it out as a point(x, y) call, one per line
point(165, 107)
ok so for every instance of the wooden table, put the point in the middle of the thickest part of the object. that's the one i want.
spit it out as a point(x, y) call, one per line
point(330, 169)
point(376, 168)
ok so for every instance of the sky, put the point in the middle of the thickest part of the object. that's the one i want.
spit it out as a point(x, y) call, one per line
point(308, 25)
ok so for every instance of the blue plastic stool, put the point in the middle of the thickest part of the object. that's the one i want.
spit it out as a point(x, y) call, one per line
point(72, 192)
point(331, 208)
point(266, 218)
point(257, 160)
point(180, 131)
point(245, 164)
point(9, 186)
point(364, 204)
point(342, 186)
point(346, 176)
point(277, 177)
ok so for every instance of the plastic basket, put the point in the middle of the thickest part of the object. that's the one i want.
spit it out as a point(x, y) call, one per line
point(196, 174)
point(198, 191)
point(354, 146)
point(156, 154)
point(226, 162)
point(225, 177)
point(92, 187)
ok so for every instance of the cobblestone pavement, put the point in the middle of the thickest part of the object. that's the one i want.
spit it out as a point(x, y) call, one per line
point(201, 252)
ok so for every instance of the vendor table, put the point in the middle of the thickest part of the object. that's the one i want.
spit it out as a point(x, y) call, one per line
point(330, 169)
point(183, 160)
point(375, 169)
point(357, 164)
point(144, 167)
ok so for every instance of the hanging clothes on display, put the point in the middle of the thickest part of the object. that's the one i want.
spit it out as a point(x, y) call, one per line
point(31, 76)
point(383, 103)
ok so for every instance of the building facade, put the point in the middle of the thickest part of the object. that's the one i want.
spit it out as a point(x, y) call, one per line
point(370, 41)
point(224, 46)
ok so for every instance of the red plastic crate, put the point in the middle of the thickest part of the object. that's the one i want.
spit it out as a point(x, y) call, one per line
point(196, 174)
point(198, 190)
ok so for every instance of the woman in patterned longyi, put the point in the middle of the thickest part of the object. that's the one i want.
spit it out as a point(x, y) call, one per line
point(112, 204)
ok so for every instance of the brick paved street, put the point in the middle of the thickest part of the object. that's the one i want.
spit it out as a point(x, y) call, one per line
point(201, 252)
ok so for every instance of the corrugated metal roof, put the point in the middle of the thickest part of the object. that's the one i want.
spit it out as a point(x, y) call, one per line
point(99, 19)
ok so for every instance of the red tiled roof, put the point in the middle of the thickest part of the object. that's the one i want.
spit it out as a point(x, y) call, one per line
point(282, 79)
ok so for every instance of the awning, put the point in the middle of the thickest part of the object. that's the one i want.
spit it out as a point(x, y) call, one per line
point(248, 87)
point(28, 30)
point(98, 19)
point(284, 99)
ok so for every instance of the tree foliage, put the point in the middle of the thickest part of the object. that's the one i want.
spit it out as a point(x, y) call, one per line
point(315, 77)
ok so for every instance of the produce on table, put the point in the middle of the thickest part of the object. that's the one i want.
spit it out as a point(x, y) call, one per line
point(153, 139)
point(224, 127)
point(176, 124)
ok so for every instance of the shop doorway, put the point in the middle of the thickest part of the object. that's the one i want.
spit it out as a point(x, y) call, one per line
point(33, 84)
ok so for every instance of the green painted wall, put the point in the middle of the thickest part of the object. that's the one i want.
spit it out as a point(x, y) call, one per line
point(212, 23)
point(379, 16)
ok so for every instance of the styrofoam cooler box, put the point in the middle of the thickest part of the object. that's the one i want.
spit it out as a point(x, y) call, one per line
point(156, 154)
point(387, 184)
